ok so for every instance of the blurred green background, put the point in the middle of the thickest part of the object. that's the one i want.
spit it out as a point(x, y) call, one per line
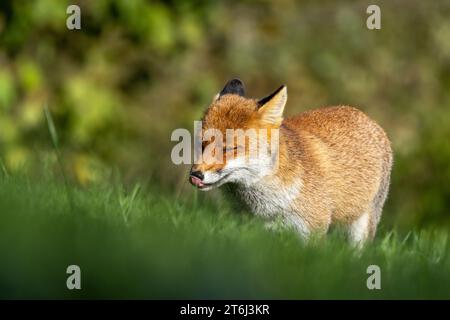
point(138, 69)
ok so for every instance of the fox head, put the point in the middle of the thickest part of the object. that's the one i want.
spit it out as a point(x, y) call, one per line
point(239, 137)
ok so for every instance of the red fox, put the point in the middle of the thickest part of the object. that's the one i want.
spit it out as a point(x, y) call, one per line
point(333, 164)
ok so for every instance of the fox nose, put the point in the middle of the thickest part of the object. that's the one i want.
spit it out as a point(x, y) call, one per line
point(197, 174)
point(196, 178)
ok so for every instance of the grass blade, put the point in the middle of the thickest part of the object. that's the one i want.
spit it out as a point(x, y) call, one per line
point(126, 202)
point(3, 167)
point(51, 126)
point(54, 137)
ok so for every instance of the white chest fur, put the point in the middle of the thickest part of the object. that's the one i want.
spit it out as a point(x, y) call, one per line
point(270, 197)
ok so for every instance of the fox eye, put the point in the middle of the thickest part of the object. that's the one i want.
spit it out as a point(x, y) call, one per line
point(226, 149)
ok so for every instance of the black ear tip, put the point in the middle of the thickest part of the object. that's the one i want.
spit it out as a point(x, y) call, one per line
point(234, 86)
point(269, 97)
point(236, 82)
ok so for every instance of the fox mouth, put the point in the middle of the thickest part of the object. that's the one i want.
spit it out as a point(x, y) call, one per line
point(196, 182)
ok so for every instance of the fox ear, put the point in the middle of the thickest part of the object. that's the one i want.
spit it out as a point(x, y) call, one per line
point(271, 107)
point(234, 86)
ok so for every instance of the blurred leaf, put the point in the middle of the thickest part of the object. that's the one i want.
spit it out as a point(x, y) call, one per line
point(7, 90)
point(29, 75)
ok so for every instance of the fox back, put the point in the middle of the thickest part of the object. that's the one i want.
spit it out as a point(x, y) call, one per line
point(331, 165)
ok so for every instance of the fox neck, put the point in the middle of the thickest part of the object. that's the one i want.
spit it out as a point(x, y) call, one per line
point(281, 163)
point(276, 190)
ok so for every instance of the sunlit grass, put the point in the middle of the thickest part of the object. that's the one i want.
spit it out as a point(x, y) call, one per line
point(143, 244)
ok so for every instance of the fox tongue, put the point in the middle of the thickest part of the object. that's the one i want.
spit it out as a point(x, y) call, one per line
point(196, 182)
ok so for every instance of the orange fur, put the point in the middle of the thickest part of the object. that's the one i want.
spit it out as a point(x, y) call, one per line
point(338, 157)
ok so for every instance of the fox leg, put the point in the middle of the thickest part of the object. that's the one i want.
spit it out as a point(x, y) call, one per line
point(292, 221)
point(307, 226)
point(359, 231)
point(298, 224)
point(380, 199)
point(365, 227)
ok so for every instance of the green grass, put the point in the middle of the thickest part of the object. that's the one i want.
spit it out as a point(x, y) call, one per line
point(144, 244)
